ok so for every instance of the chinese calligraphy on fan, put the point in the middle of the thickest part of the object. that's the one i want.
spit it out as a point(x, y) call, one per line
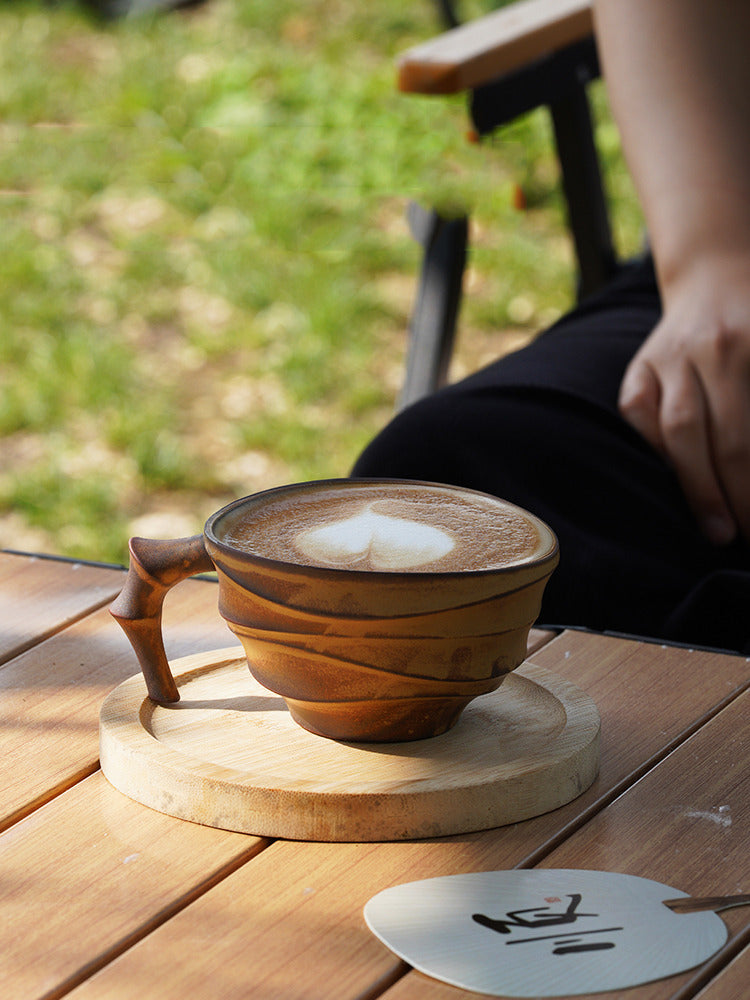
point(519, 926)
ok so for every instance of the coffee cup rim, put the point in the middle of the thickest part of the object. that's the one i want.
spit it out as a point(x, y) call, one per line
point(547, 554)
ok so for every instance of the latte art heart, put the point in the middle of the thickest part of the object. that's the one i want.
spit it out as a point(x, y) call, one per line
point(382, 526)
point(379, 540)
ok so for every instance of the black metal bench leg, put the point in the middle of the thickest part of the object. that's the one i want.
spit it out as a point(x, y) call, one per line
point(584, 190)
point(433, 325)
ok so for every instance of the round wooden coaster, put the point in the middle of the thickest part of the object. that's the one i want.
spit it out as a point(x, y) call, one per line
point(229, 755)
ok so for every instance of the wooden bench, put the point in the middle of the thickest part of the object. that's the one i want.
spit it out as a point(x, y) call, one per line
point(531, 54)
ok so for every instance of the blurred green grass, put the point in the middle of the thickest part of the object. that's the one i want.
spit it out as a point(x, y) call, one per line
point(207, 272)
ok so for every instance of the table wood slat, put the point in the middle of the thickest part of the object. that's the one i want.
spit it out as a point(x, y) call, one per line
point(661, 821)
point(298, 906)
point(657, 830)
point(101, 892)
point(732, 981)
point(52, 693)
point(537, 638)
point(38, 597)
point(89, 872)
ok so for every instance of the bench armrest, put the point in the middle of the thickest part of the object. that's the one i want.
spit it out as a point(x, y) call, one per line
point(507, 39)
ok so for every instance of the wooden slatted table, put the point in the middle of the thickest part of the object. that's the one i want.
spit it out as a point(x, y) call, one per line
point(104, 898)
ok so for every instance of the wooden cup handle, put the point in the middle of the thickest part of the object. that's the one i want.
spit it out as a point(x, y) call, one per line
point(155, 567)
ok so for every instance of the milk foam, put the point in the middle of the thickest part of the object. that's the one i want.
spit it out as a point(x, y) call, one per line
point(384, 542)
point(398, 527)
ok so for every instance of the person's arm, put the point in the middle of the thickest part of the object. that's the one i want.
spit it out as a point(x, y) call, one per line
point(678, 77)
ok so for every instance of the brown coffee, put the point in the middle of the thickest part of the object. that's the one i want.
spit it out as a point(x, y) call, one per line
point(397, 527)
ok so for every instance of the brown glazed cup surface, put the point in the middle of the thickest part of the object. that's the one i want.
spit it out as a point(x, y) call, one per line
point(507, 610)
point(357, 654)
point(299, 673)
point(450, 658)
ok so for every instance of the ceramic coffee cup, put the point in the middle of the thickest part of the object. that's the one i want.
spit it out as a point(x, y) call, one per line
point(376, 608)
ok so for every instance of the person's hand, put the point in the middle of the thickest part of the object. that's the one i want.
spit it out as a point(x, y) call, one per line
point(687, 391)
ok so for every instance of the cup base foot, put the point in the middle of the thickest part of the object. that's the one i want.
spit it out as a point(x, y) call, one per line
point(398, 720)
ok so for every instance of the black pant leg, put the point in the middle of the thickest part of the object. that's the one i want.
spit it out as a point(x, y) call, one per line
point(541, 428)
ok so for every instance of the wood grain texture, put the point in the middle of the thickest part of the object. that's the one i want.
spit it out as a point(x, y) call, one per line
point(52, 693)
point(86, 874)
point(537, 638)
point(39, 597)
point(658, 830)
point(289, 924)
point(732, 982)
point(228, 754)
point(493, 45)
point(53, 687)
